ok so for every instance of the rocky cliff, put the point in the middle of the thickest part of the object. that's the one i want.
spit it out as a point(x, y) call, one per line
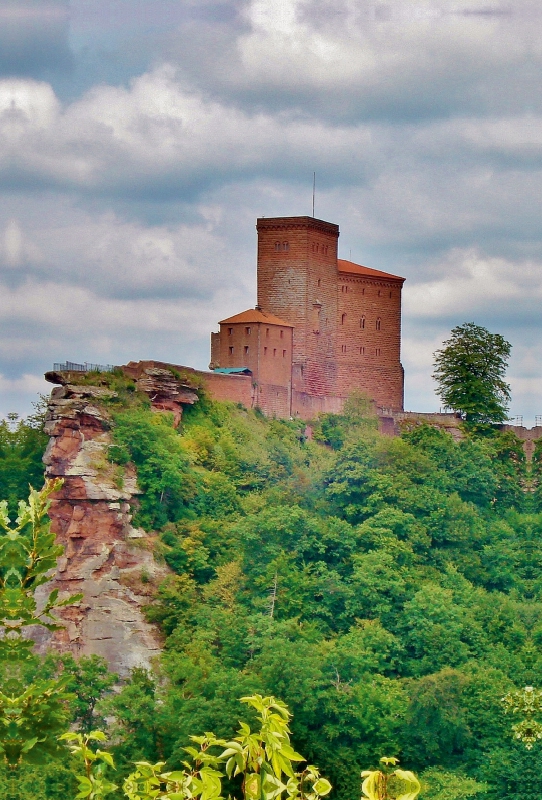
point(105, 557)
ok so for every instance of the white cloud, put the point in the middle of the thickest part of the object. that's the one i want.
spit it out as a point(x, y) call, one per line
point(470, 283)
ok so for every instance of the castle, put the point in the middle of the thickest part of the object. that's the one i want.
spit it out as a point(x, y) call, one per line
point(322, 327)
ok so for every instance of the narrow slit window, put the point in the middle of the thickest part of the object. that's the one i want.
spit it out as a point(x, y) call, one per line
point(282, 334)
point(265, 351)
point(319, 282)
point(362, 323)
point(274, 351)
point(267, 332)
point(378, 323)
point(343, 319)
point(231, 351)
point(246, 349)
point(247, 331)
point(230, 331)
point(284, 353)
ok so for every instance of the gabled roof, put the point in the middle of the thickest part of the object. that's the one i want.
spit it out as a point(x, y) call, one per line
point(357, 269)
point(256, 315)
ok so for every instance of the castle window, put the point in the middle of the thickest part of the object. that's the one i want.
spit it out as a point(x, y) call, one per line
point(231, 351)
point(377, 351)
point(362, 351)
point(363, 290)
point(282, 334)
point(247, 331)
point(325, 249)
point(379, 292)
point(274, 351)
point(362, 323)
point(230, 331)
point(390, 294)
point(265, 351)
point(277, 247)
point(343, 318)
point(319, 282)
point(378, 323)
point(285, 246)
point(246, 350)
point(267, 331)
point(343, 348)
point(284, 353)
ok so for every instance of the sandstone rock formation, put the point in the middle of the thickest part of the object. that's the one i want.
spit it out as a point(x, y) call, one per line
point(105, 558)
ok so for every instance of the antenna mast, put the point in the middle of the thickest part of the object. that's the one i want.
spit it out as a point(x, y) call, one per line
point(313, 190)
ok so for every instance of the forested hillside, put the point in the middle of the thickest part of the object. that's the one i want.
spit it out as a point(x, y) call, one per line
point(387, 589)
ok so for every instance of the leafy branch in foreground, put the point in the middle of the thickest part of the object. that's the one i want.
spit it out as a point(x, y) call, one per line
point(30, 715)
point(93, 784)
point(390, 784)
point(263, 761)
point(529, 703)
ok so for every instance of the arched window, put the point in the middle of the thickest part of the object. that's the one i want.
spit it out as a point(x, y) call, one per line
point(343, 319)
point(318, 282)
point(378, 323)
point(362, 323)
point(277, 247)
point(285, 246)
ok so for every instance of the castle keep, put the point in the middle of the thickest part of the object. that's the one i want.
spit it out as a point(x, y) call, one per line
point(322, 328)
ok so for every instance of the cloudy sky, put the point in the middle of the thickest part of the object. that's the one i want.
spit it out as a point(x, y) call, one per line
point(140, 139)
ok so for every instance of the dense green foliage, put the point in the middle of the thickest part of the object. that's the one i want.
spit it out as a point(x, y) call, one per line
point(470, 370)
point(22, 444)
point(387, 589)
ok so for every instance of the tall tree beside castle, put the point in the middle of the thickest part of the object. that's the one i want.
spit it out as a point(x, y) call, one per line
point(470, 370)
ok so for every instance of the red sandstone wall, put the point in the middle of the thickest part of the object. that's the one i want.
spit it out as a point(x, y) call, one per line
point(215, 350)
point(299, 285)
point(369, 339)
point(233, 388)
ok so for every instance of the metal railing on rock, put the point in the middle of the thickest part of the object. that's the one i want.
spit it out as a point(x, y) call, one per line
point(71, 366)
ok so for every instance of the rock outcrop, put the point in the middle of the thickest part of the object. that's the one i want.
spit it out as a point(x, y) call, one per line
point(105, 558)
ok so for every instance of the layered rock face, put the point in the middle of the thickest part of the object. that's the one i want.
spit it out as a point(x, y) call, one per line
point(105, 558)
point(91, 518)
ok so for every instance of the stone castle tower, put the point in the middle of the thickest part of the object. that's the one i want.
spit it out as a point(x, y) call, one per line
point(323, 327)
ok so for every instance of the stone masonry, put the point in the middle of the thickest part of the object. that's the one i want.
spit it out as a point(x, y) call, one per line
point(345, 319)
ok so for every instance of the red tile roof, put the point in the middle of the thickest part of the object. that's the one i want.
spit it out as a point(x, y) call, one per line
point(357, 269)
point(256, 315)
